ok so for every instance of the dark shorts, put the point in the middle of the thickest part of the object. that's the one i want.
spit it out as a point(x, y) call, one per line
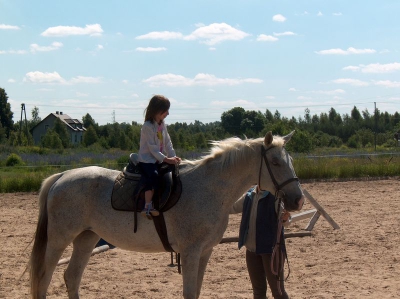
point(149, 177)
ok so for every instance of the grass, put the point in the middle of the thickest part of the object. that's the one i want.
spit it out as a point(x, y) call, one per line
point(339, 164)
point(347, 167)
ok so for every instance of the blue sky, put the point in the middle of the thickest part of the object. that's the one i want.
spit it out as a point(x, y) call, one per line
point(107, 58)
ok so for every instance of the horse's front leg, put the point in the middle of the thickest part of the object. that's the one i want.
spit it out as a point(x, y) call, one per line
point(202, 268)
point(190, 269)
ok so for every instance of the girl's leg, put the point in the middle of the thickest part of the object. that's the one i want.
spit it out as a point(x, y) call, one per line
point(257, 274)
point(272, 279)
point(149, 180)
point(148, 196)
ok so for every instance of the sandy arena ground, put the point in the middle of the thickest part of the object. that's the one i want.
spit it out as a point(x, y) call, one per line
point(360, 260)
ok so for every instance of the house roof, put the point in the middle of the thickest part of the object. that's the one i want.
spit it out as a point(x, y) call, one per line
point(71, 123)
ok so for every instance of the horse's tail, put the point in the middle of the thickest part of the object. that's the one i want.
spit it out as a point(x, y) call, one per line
point(36, 262)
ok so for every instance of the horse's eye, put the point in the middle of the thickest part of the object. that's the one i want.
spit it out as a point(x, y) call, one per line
point(275, 161)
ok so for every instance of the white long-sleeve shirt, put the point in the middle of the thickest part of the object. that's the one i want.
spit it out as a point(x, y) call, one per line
point(149, 151)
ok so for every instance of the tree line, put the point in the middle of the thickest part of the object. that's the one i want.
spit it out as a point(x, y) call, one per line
point(357, 129)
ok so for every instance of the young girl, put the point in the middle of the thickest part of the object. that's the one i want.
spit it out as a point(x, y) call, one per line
point(155, 148)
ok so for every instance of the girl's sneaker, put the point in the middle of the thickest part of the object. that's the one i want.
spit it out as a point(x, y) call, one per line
point(149, 211)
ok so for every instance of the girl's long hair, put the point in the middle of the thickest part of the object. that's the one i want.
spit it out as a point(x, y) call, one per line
point(157, 104)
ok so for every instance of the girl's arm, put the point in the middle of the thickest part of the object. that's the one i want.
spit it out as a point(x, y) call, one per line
point(168, 144)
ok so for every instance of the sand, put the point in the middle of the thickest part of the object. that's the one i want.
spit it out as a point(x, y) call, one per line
point(360, 260)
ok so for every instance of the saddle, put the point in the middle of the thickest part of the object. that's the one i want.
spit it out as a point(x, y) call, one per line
point(128, 195)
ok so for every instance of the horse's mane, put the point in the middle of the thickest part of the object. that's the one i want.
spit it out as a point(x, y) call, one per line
point(231, 150)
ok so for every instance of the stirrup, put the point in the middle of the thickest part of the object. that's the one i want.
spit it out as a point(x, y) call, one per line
point(149, 211)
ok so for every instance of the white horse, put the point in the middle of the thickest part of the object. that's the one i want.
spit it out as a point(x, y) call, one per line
point(75, 207)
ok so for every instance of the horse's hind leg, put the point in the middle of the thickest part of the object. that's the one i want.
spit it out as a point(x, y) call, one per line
point(52, 256)
point(83, 246)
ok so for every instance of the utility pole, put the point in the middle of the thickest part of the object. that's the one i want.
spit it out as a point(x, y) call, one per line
point(113, 116)
point(20, 123)
point(376, 123)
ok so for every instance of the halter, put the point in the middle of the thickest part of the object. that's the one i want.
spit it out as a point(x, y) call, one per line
point(277, 258)
point(279, 194)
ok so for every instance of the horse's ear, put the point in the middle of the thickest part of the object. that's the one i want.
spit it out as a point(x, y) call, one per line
point(288, 136)
point(268, 138)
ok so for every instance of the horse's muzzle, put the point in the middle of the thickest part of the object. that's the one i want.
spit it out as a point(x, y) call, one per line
point(300, 202)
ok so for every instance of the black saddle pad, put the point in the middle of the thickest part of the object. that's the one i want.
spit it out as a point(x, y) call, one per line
point(125, 190)
point(123, 193)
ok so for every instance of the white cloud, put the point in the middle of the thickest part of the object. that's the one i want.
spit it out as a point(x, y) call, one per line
point(18, 52)
point(304, 98)
point(216, 33)
point(150, 49)
point(134, 95)
point(320, 14)
point(83, 79)
point(81, 94)
point(270, 97)
point(100, 47)
point(210, 35)
point(212, 48)
point(353, 82)
point(199, 80)
point(266, 38)
point(92, 30)
point(8, 27)
point(278, 18)
point(237, 103)
point(54, 46)
point(286, 33)
point(125, 81)
point(11, 80)
point(376, 68)
point(329, 92)
point(349, 51)
point(337, 14)
point(292, 89)
point(388, 83)
point(164, 35)
point(351, 68)
point(44, 78)
point(55, 78)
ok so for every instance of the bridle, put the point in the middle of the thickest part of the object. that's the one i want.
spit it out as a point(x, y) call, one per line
point(277, 258)
point(279, 194)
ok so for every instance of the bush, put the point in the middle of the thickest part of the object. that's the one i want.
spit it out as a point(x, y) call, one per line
point(14, 160)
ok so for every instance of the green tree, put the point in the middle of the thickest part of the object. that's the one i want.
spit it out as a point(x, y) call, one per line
point(301, 142)
point(231, 120)
point(2, 134)
point(355, 114)
point(61, 129)
point(35, 117)
point(6, 115)
point(90, 136)
point(52, 140)
point(88, 121)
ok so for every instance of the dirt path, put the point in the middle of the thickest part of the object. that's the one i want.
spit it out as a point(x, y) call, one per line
point(361, 260)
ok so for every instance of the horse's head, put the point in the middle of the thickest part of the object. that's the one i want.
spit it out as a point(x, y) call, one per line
point(277, 173)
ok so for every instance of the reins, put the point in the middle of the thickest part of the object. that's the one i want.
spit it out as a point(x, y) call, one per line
point(277, 257)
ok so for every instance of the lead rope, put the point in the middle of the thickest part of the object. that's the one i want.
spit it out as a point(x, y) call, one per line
point(277, 257)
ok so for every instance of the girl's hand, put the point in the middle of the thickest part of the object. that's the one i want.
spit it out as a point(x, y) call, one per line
point(173, 160)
